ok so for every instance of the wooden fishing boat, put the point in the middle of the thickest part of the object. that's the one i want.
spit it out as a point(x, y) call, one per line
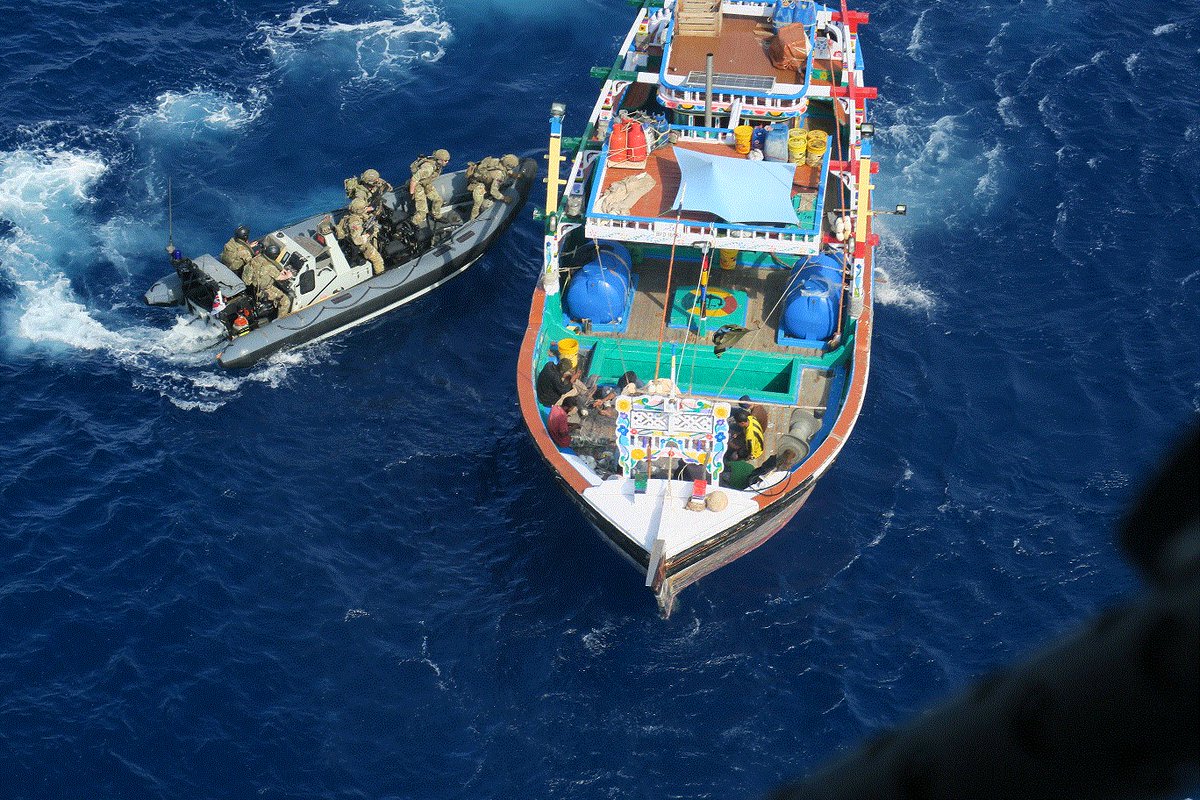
point(713, 241)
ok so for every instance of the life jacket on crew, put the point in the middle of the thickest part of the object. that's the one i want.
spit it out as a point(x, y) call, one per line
point(754, 436)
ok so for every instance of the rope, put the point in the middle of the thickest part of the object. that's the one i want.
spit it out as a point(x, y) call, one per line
point(662, 331)
point(691, 314)
point(762, 324)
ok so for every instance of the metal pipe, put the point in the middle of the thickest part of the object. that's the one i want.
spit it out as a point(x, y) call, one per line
point(708, 86)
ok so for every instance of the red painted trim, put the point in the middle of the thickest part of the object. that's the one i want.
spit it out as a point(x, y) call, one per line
point(528, 397)
point(851, 166)
point(854, 18)
point(856, 92)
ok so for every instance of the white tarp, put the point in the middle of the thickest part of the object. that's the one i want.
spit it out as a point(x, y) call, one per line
point(737, 190)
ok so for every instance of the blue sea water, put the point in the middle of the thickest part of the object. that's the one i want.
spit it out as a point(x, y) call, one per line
point(345, 573)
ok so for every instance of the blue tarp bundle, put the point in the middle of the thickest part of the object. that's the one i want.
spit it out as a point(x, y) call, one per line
point(736, 189)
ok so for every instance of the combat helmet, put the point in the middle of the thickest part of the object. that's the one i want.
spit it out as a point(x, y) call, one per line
point(271, 250)
point(510, 161)
point(358, 205)
point(369, 176)
point(442, 155)
point(241, 232)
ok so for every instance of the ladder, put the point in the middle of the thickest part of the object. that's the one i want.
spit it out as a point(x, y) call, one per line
point(698, 18)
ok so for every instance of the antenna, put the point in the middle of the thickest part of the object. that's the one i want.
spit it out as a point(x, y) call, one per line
point(170, 222)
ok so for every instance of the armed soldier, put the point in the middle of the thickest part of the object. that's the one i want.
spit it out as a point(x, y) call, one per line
point(359, 227)
point(262, 272)
point(485, 179)
point(237, 253)
point(424, 195)
point(369, 187)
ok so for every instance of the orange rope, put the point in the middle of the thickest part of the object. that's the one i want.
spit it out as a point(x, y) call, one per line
point(662, 331)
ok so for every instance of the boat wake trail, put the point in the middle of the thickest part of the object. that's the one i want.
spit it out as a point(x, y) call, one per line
point(47, 238)
point(370, 49)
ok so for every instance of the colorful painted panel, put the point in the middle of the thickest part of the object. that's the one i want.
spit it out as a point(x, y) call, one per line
point(686, 429)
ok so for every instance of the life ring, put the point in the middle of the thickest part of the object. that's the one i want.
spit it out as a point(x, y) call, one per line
point(720, 303)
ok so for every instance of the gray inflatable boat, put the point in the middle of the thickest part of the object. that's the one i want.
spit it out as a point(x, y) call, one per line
point(333, 287)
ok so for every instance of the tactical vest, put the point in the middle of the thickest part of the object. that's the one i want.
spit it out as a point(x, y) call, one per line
point(479, 170)
point(421, 160)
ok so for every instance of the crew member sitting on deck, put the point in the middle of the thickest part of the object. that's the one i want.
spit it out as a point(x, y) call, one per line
point(773, 470)
point(556, 387)
point(751, 429)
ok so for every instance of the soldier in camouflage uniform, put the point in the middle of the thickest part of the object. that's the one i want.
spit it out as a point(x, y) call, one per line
point(485, 179)
point(425, 197)
point(263, 271)
point(359, 227)
point(368, 187)
point(237, 253)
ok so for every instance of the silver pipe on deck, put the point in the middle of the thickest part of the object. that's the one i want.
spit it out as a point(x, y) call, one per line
point(708, 83)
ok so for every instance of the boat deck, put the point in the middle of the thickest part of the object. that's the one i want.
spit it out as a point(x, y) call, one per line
point(741, 49)
point(663, 166)
point(763, 287)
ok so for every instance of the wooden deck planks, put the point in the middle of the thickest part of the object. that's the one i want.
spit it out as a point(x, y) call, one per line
point(737, 51)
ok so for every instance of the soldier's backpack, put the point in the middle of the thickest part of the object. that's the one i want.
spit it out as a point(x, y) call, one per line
point(351, 185)
point(479, 170)
point(416, 165)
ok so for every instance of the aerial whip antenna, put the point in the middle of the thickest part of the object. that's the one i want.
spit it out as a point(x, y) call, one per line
point(170, 222)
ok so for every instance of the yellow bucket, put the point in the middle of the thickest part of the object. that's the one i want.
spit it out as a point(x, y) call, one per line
point(816, 148)
point(729, 259)
point(568, 350)
point(741, 138)
point(797, 145)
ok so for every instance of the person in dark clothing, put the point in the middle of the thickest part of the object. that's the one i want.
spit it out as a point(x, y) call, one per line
point(550, 384)
point(556, 387)
point(780, 462)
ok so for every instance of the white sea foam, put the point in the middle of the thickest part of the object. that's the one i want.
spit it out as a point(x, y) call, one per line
point(199, 108)
point(917, 40)
point(1093, 61)
point(995, 43)
point(987, 185)
point(374, 48)
point(44, 195)
point(1163, 30)
point(1006, 108)
point(901, 288)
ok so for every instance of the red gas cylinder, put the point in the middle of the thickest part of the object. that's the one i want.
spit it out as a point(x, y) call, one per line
point(636, 142)
point(618, 142)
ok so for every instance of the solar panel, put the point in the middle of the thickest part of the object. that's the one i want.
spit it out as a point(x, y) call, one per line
point(725, 80)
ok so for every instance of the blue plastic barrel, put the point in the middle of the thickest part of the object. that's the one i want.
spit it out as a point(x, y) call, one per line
point(599, 291)
point(810, 308)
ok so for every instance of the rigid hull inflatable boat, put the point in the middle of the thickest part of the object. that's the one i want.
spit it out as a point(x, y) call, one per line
point(707, 281)
point(333, 287)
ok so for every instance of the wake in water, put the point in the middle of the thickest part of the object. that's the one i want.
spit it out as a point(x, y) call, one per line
point(373, 48)
point(44, 195)
point(50, 239)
